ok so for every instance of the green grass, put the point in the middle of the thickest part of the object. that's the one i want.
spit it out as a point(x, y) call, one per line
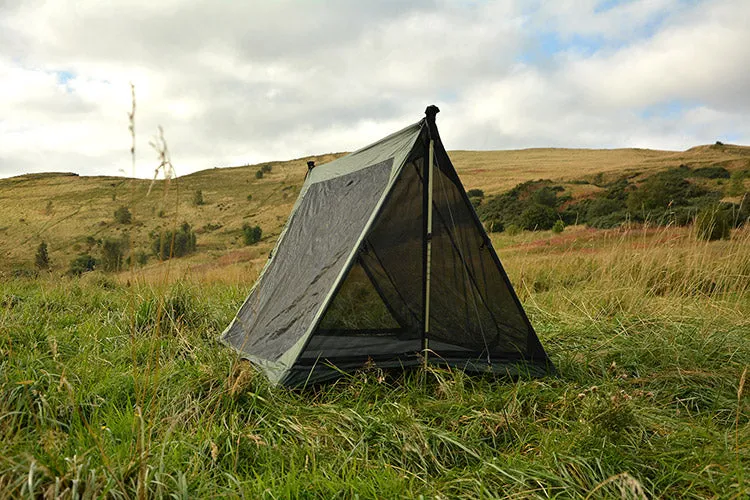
point(123, 391)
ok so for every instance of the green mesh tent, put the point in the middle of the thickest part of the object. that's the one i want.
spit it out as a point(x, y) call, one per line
point(383, 260)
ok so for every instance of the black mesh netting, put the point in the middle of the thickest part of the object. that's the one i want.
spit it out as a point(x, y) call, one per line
point(319, 237)
point(376, 313)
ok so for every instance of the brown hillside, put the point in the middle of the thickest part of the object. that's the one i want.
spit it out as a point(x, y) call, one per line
point(67, 210)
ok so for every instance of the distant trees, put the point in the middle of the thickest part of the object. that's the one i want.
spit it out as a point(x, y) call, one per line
point(174, 243)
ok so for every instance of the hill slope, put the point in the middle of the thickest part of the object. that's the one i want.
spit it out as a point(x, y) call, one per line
point(70, 212)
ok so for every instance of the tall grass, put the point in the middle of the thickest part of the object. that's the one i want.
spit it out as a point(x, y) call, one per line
point(648, 400)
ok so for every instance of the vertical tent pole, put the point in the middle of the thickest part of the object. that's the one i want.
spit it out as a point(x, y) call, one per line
point(428, 256)
point(430, 113)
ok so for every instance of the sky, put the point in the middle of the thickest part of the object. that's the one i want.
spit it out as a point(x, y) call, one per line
point(236, 83)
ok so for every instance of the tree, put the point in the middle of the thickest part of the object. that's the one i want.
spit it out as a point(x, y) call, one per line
point(259, 174)
point(123, 215)
point(41, 260)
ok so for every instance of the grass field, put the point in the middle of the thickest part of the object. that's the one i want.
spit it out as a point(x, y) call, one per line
point(115, 385)
point(120, 389)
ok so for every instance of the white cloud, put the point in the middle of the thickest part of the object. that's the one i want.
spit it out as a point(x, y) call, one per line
point(237, 82)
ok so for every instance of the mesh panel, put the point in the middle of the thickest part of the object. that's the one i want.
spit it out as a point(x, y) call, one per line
point(357, 307)
point(318, 239)
point(470, 303)
point(376, 312)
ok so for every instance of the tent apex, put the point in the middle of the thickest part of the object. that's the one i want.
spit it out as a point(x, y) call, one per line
point(430, 112)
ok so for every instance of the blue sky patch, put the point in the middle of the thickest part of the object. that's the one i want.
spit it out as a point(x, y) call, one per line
point(63, 77)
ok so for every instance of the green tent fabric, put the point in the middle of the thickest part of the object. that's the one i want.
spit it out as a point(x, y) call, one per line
point(383, 260)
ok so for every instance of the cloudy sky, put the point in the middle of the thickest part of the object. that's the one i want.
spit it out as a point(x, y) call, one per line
point(244, 82)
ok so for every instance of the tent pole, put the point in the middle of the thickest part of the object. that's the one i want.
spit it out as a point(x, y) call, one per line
point(428, 256)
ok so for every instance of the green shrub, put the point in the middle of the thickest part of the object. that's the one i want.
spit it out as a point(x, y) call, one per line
point(174, 244)
point(558, 227)
point(475, 193)
point(661, 191)
point(538, 217)
point(512, 230)
point(259, 174)
point(113, 253)
point(82, 264)
point(713, 223)
point(41, 259)
point(495, 226)
point(545, 196)
point(141, 258)
point(600, 207)
point(249, 197)
point(712, 172)
point(736, 183)
point(266, 168)
point(198, 198)
point(251, 234)
point(123, 215)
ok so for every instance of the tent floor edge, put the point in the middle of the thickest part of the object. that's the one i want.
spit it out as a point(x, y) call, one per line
point(324, 371)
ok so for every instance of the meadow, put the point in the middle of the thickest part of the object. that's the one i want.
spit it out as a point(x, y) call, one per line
point(121, 389)
point(114, 385)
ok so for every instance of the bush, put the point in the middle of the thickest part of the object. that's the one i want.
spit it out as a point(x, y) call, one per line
point(736, 184)
point(558, 227)
point(174, 244)
point(661, 191)
point(198, 198)
point(713, 223)
point(546, 196)
point(512, 230)
point(538, 217)
point(123, 215)
point(600, 207)
point(113, 253)
point(712, 173)
point(82, 264)
point(259, 174)
point(141, 258)
point(251, 234)
point(266, 168)
point(495, 226)
point(475, 193)
point(41, 259)
point(249, 197)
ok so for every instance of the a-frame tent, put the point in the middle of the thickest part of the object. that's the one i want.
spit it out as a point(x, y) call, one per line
point(384, 260)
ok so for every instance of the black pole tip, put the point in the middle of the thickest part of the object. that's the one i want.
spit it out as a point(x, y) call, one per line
point(431, 111)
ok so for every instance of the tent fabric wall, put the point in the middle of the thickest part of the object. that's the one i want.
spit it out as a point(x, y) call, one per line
point(345, 284)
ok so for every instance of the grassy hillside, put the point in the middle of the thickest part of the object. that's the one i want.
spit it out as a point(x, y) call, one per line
point(65, 210)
